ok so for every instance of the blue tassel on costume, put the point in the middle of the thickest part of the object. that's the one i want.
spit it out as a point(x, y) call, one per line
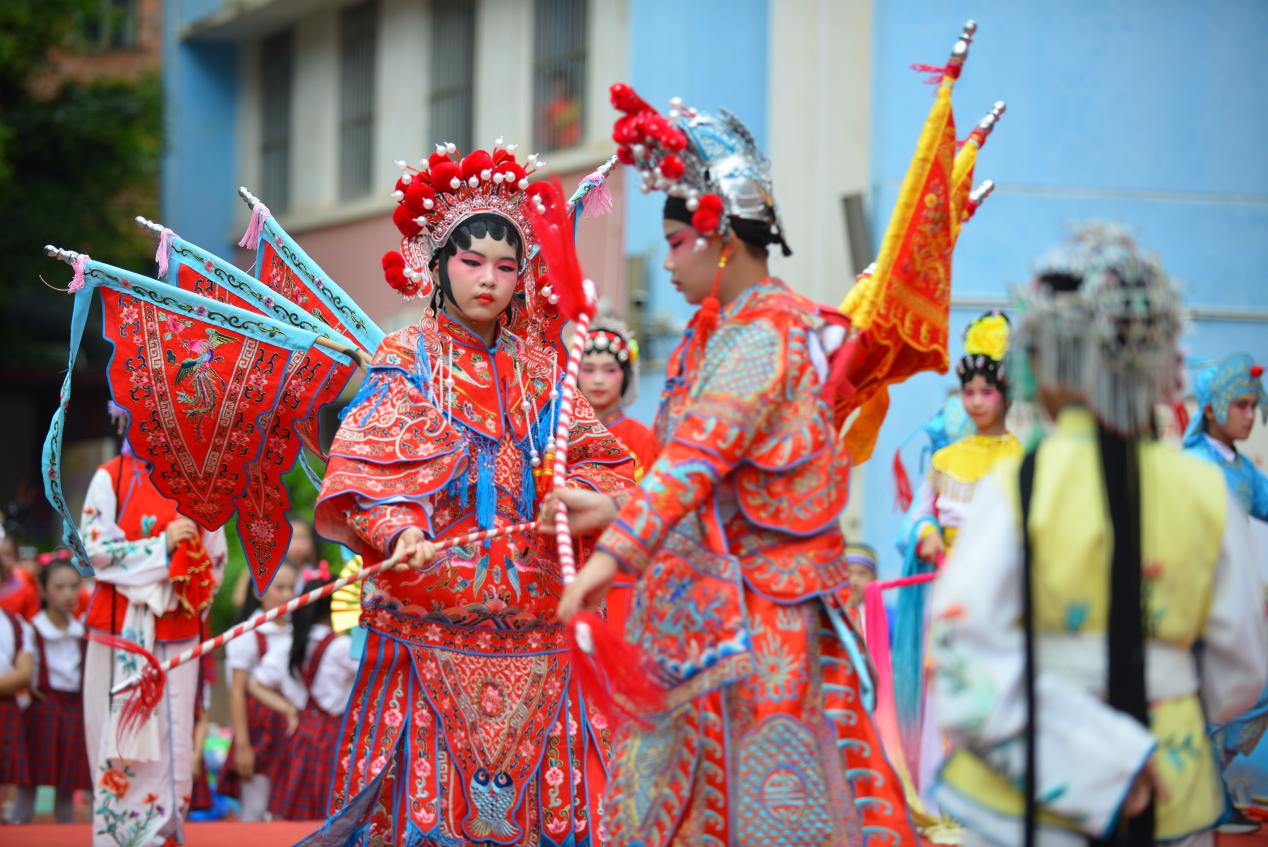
point(528, 488)
point(374, 387)
point(486, 488)
point(908, 651)
point(457, 486)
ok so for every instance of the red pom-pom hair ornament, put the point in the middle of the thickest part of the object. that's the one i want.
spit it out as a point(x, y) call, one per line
point(404, 220)
point(476, 168)
point(626, 99)
point(707, 216)
point(1256, 371)
point(512, 174)
point(671, 167)
point(397, 275)
point(625, 130)
point(418, 195)
point(446, 177)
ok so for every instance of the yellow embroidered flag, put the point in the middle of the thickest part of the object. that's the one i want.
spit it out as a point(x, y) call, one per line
point(899, 310)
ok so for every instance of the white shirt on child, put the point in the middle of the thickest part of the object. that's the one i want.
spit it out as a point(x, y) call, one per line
point(8, 642)
point(62, 649)
point(242, 653)
point(331, 684)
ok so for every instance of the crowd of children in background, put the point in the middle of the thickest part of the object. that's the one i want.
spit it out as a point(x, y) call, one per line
point(287, 683)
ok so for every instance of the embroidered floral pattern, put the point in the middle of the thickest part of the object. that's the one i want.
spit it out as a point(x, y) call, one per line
point(127, 827)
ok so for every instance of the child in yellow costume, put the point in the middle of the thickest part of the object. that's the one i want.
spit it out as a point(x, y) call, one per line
point(1066, 654)
point(956, 468)
point(932, 524)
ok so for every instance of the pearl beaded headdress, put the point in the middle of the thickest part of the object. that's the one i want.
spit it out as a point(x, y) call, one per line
point(446, 189)
point(1101, 319)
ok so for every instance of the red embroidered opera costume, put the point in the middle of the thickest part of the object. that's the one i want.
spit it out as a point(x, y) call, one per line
point(465, 725)
point(734, 536)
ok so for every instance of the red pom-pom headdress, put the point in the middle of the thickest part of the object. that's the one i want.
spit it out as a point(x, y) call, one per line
point(710, 161)
point(444, 190)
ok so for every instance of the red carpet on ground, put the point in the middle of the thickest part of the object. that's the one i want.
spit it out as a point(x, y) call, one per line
point(286, 833)
point(217, 834)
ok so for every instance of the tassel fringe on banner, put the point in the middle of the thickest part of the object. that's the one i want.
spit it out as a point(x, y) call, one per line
point(164, 249)
point(255, 227)
point(77, 281)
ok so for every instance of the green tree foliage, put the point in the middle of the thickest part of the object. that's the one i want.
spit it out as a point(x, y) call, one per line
point(77, 161)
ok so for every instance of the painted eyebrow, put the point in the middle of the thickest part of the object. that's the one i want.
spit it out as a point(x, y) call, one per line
point(482, 256)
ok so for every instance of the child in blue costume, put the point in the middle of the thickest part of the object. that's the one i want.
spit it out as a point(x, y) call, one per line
point(1228, 394)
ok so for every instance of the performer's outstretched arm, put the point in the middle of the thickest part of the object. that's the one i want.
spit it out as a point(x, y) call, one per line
point(741, 384)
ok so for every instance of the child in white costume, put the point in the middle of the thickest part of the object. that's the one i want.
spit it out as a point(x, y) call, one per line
point(1111, 602)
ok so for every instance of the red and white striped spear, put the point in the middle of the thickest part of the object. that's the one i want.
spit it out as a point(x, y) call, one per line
point(147, 687)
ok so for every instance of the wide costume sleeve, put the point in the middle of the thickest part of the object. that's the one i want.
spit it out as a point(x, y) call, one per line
point(739, 385)
point(922, 518)
point(115, 559)
point(1259, 492)
point(1088, 752)
point(1234, 644)
point(394, 451)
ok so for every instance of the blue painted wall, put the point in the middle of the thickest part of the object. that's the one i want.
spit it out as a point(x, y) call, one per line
point(199, 196)
point(679, 49)
point(1150, 114)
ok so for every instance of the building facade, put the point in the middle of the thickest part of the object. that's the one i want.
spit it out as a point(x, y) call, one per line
point(1151, 117)
point(317, 100)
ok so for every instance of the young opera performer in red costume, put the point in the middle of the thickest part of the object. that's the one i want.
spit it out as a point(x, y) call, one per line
point(464, 726)
point(156, 573)
point(609, 380)
point(734, 536)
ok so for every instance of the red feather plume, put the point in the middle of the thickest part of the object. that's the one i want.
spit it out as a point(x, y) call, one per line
point(548, 211)
point(144, 697)
point(614, 679)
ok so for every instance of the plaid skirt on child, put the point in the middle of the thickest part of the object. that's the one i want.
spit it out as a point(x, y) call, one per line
point(301, 791)
point(57, 753)
point(267, 731)
point(13, 761)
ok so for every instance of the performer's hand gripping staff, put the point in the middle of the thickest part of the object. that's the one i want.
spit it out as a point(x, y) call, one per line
point(596, 651)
